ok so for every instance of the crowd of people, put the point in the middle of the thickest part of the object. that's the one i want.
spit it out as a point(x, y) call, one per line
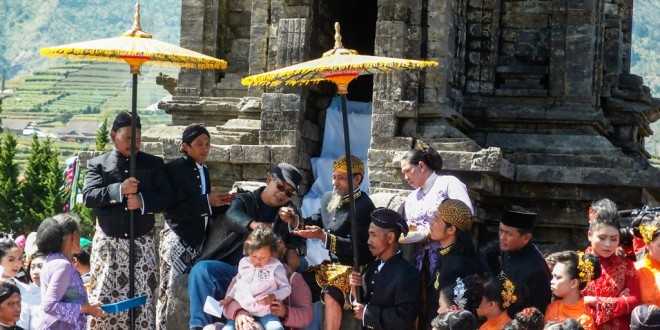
point(268, 267)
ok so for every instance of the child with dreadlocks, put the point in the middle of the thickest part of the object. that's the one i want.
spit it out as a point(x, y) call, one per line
point(570, 274)
point(499, 293)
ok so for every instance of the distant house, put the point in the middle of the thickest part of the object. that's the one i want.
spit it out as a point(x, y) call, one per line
point(78, 130)
point(33, 129)
point(15, 126)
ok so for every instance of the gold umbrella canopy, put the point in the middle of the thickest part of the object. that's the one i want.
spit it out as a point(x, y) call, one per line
point(339, 65)
point(135, 47)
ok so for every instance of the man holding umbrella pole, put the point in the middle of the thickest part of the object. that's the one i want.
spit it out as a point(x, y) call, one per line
point(113, 195)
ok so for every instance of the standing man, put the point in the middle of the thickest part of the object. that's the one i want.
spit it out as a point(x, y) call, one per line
point(112, 194)
point(521, 261)
point(390, 285)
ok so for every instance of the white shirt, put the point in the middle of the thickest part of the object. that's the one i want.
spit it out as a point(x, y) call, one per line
point(202, 178)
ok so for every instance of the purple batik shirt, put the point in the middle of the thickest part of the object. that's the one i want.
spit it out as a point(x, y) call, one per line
point(62, 295)
point(422, 204)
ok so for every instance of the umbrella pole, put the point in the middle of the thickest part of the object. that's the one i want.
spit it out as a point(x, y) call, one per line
point(131, 173)
point(351, 190)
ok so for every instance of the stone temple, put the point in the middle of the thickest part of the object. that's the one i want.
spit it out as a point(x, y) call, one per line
point(533, 103)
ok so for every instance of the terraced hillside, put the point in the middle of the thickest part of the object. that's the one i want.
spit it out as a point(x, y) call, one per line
point(82, 90)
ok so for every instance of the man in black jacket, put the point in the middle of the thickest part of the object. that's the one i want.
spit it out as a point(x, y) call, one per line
point(224, 244)
point(521, 261)
point(112, 194)
point(333, 228)
point(390, 285)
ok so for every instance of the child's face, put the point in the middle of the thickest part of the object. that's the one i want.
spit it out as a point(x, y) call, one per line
point(443, 304)
point(260, 257)
point(604, 240)
point(561, 283)
point(35, 270)
point(11, 262)
point(486, 308)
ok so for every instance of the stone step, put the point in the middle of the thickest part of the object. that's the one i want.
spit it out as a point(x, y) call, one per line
point(605, 161)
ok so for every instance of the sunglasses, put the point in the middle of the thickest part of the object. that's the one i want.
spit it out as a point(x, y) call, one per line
point(282, 188)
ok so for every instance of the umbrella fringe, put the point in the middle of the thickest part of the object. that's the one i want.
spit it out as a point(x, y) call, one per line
point(168, 60)
point(288, 77)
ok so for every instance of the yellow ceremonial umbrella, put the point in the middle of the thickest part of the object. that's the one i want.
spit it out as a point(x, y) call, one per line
point(340, 66)
point(135, 47)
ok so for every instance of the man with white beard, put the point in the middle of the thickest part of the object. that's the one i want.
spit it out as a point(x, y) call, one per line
point(332, 226)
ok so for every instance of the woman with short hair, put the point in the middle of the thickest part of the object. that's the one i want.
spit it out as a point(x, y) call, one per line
point(64, 299)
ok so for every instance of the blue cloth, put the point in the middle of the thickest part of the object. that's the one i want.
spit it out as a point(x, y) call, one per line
point(359, 128)
point(269, 322)
point(207, 278)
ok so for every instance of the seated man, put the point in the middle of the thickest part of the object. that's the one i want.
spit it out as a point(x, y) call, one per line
point(224, 249)
point(333, 228)
point(390, 285)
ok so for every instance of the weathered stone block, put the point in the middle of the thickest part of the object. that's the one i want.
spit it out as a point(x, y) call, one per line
point(255, 171)
point(278, 137)
point(391, 143)
point(271, 101)
point(219, 153)
point(257, 154)
point(386, 158)
point(383, 125)
point(284, 154)
point(280, 120)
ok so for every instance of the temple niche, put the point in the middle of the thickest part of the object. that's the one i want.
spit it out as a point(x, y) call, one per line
point(533, 103)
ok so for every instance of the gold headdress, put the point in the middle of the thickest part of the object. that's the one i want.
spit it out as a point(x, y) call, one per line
point(508, 292)
point(585, 268)
point(342, 165)
point(647, 231)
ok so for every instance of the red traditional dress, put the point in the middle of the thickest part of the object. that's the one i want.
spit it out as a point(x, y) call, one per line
point(617, 290)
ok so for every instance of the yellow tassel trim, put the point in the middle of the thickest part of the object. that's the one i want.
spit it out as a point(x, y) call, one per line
point(307, 76)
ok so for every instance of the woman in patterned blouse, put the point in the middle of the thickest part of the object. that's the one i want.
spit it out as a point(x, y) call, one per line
point(611, 297)
point(63, 296)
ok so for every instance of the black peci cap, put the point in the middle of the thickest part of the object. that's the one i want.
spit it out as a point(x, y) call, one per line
point(124, 119)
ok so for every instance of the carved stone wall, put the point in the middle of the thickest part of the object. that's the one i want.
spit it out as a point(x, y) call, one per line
point(532, 104)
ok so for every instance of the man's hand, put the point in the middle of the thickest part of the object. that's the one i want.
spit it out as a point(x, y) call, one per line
point(355, 279)
point(129, 186)
point(279, 309)
point(217, 199)
point(358, 311)
point(244, 321)
point(133, 202)
point(288, 215)
point(310, 232)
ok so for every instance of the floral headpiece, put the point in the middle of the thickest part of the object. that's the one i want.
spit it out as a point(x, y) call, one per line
point(585, 268)
point(647, 231)
point(459, 294)
point(508, 292)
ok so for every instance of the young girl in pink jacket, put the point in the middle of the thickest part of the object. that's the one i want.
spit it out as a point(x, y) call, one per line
point(261, 280)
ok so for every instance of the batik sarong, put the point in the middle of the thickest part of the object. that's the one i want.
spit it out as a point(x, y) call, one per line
point(175, 259)
point(109, 279)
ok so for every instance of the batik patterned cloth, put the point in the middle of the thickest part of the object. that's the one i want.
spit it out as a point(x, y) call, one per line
point(63, 295)
point(617, 291)
point(109, 280)
point(175, 258)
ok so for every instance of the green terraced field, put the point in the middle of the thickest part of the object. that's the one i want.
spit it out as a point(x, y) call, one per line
point(83, 90)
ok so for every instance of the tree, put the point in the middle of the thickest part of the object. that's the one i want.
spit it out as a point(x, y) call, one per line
point(102, 135)
point(41, 187)
point(9, 192)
